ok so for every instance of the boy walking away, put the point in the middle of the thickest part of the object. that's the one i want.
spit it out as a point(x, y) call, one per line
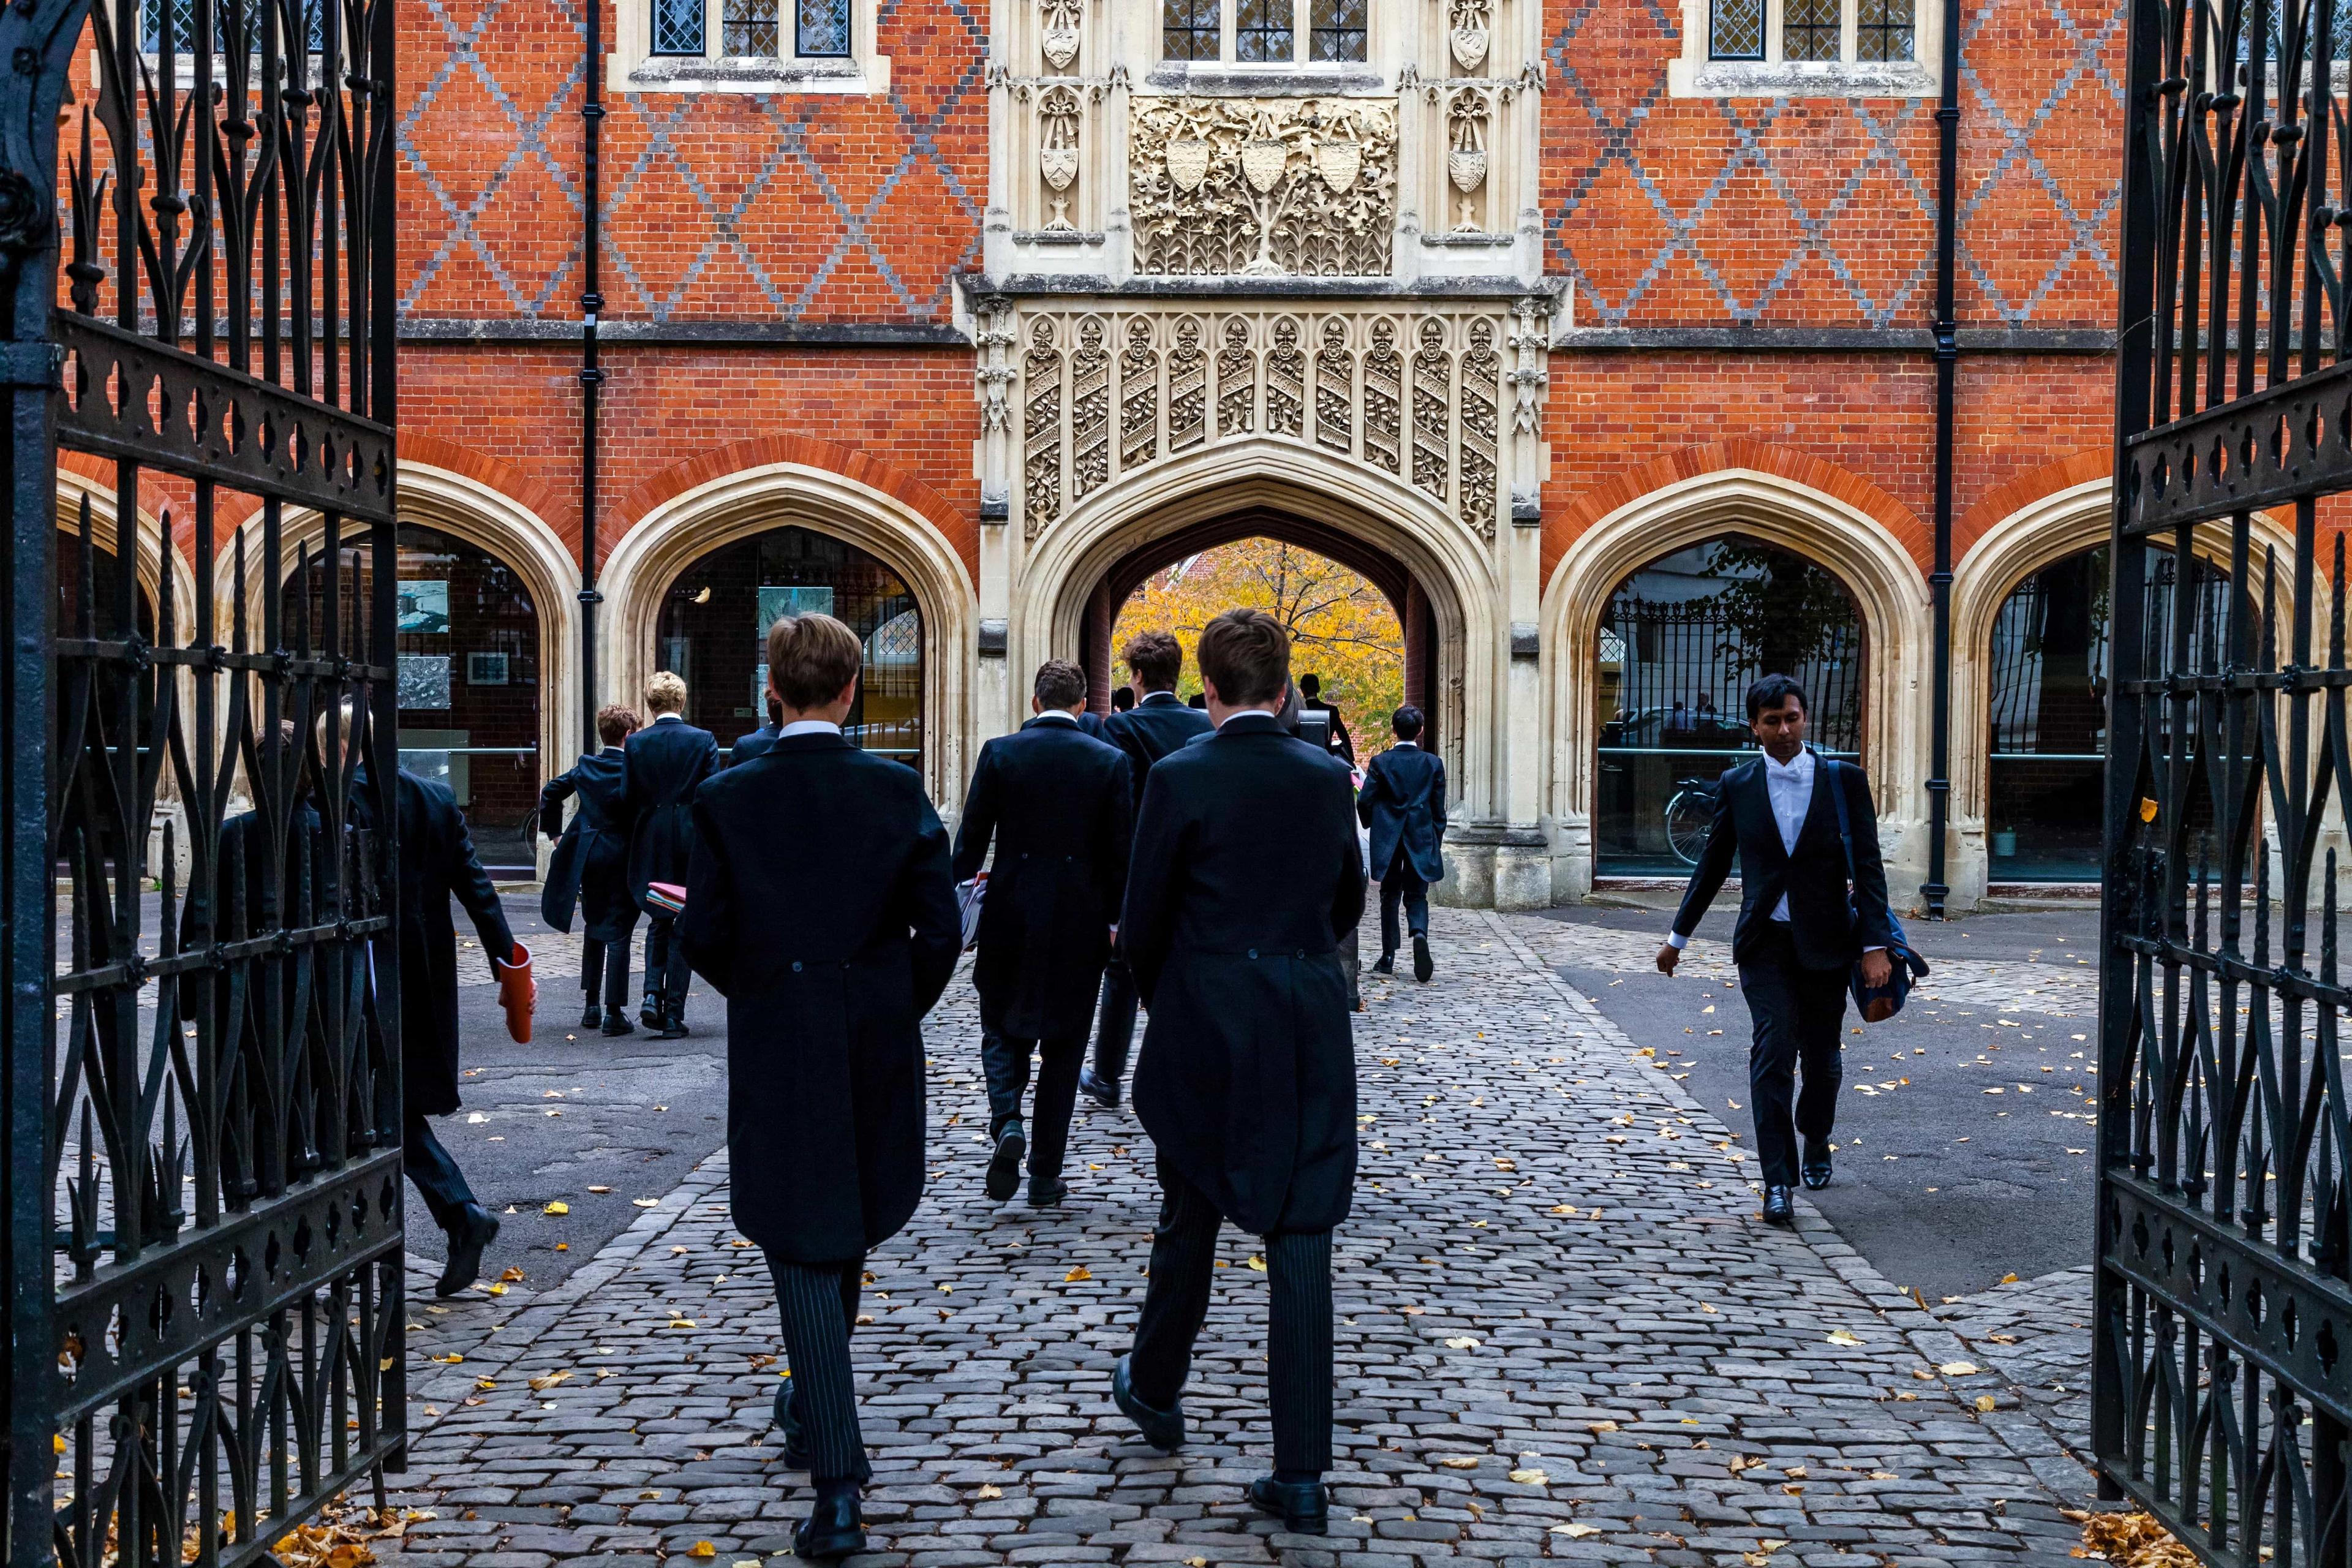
point(819, 905)
point(1054, 802)
point(590, 872)
point(1403, 805)
point(664, 763)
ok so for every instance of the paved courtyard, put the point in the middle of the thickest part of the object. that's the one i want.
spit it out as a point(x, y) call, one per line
point(1563, 1337)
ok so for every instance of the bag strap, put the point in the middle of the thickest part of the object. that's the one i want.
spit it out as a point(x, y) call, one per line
point(1845, 822)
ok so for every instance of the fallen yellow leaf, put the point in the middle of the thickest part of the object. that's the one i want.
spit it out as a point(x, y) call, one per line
point(702, 1549)
point(512, 1276)
point(600, 1189)
point(1080, 1272)
point(1460, 1461)
point(990, 1494)
point(1576, 1531)
point(646, 1204)
point(1985, 1402)
point(1958, 1368)
point(558, 1207)
point(1844, 1337)
point(1464, 1342)
point(1600, 1425)
point(1531, 1478)
point(548, 1380)
point(1258, 1265)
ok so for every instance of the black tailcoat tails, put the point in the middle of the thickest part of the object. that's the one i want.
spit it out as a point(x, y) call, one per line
point(437, 863)
point(590, 867)
point(820, 906)
point(1814, 877)
point(1245, 876)
point(1403, 804)
point(1055, 801)
point(664, 763)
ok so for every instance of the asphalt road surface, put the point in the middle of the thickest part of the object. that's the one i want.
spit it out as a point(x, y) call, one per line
point(1942, 1183)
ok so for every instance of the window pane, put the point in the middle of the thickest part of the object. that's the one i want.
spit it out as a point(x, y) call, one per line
point(749, 29)
point(1738, 30)
point(1188, 30)
point(1261, 30)
point(824, 29)
point(677, 26)
point(1884, 30)
point(184, 24)
point(1338, 30)
point(1812, 30)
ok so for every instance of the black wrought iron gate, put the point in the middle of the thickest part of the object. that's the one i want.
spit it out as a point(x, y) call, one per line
point(201, 1088)
point(2223, 1351)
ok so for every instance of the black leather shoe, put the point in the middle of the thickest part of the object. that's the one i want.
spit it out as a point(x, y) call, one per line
point(1422, 967)
point(1163, 1429)
point(1387, 964)
point(476, 1228)
point(594, 1018)
point(1303, 1505)
point(1102, 1091)
point(832, 1530)
point(618, 1025)
point(649, 1016)
point(1004, 1165)
point(1815, 1167)
point(1780, 1206)
point(1046, 1194)
point(796, 1454)
point(672, 1028)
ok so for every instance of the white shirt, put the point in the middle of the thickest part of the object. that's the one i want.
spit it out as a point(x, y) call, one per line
point(808, 726)
point(1789, 787)
point(1061, 714)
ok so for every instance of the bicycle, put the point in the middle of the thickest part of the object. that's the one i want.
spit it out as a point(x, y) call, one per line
point(1690, 817)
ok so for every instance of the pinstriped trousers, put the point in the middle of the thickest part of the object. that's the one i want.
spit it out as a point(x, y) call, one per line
point(818, 1304)
point(1298, 1341)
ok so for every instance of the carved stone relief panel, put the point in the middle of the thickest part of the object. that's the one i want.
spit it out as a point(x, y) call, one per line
point(1335, 386)
point(1466, 158)
point(1236, 381)
point(1058, 112)
point(1057, 33)
point(1090, 410)
point(1263, 188)
point(1422, 400)
point(1041, 380)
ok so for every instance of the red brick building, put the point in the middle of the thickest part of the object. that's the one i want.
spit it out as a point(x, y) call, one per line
point(1598, 332)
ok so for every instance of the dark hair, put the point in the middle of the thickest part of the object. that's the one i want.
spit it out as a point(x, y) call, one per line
point(1771, 691)
point(1246, 654)
point(614, 722)
point(1156, 658)
point(812, 659)
point(1310, 685)
point(1122, 698)
point(1059, 684)
point(1407, 722)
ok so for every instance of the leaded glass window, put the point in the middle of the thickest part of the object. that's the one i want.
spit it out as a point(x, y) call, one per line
point(184, 24)
point(1811, 32)
point(824, 30)
point(1736, 30)
point(748, 27)
point(1263, 31)
point(1188, 30)
point(677, 26)
point(1884, 30)
point(1338, 30)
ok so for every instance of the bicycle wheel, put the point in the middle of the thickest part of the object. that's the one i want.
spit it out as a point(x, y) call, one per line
point(1689, 817)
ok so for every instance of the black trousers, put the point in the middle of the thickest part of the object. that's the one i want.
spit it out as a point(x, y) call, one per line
point(1115, 1023)
point(1797, 1014)
point(1005, 1062)
point(665, 968)
point(605, 970)
point(438, 1180)
point(1298, 1338)
point(817, 1303)
point(1402, 884)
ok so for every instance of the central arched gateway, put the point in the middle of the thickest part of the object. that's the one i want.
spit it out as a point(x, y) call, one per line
point(1438, 573)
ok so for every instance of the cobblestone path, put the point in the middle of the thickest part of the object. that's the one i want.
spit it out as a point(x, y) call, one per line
point(1563, 1336)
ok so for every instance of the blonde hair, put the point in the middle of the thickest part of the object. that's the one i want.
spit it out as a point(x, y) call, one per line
point(666, 692)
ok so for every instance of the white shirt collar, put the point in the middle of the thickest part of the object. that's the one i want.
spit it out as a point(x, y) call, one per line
point(1058, 716)
point(1399, 744)
point(1158, 696)
point(1796, 767)
point(808, 726)
point(1265, 713)
point(669, 717)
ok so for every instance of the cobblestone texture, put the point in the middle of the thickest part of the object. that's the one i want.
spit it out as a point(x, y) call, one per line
point(2037, 1335)
point(1563, 1336)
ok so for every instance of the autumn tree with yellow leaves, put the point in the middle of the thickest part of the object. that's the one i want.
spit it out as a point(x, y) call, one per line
point(1342, 627)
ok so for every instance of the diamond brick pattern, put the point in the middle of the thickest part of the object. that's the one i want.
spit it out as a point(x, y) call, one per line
point(1822, 212)
point(814, 207)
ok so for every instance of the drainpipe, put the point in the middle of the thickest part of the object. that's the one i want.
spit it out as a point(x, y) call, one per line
point(1947, 359)
point(591, 375)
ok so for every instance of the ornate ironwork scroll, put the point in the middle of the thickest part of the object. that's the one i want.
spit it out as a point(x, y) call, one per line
point(201, 1045)
point(2223, 1352)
